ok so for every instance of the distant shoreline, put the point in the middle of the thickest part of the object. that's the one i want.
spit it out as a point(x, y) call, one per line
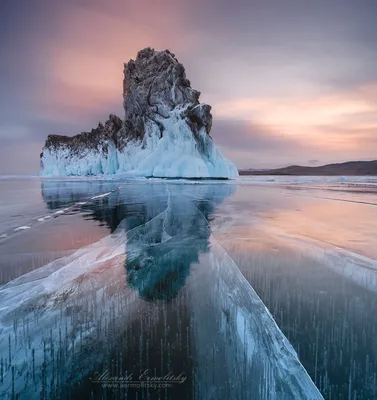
point(350, 168)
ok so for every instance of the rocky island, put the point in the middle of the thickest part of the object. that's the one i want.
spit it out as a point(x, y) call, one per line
point(165, 132)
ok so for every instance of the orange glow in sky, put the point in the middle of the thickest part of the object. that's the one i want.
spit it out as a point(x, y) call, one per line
point(286, 84)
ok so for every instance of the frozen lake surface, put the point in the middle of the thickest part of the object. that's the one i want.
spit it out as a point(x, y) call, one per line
point(260, 288)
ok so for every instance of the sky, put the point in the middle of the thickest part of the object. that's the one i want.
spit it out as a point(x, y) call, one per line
point(290, 81)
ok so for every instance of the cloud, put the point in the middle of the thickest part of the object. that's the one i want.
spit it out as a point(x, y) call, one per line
point(246, 136)
point(270, 132)
point(292, 81)
point(19, 159)
point(339, 121)
point(252, 145)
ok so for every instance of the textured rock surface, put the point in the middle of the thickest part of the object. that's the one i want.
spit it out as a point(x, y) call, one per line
point(154, 85)
point(98, 137)
point(165, 132)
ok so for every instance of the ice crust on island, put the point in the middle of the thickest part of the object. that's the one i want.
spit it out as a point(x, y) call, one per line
point(165, 133)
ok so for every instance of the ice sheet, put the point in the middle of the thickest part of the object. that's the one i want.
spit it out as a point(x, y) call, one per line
point(237, 339)
point(356, 267)
point(64, 318)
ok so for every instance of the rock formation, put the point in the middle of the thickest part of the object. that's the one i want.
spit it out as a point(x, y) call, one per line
point(165, 132)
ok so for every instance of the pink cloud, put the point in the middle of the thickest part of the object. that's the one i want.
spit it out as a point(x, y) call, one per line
point(84, 59)
point(342, 121)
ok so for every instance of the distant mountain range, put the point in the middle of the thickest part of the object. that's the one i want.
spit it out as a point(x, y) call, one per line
point(346, 168)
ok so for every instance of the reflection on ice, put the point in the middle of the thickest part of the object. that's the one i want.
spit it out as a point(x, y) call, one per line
point(160, 254)
point(60, 193)
point(158, 293)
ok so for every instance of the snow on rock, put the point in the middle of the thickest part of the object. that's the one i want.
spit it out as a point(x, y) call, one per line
point(166, 131)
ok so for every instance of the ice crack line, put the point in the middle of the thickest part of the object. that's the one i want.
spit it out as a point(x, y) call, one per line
point(337, 199)
point(166, 211)
point(213, 235)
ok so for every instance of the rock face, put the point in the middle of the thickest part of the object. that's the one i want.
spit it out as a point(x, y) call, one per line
point(165, 132)
point(154, 85)
point(88, 153)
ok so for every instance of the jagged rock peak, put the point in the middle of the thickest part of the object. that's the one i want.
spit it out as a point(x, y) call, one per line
point(154, 85)
point(156, 72)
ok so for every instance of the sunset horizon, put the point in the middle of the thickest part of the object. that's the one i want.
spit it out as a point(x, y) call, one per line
point(287, 83)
